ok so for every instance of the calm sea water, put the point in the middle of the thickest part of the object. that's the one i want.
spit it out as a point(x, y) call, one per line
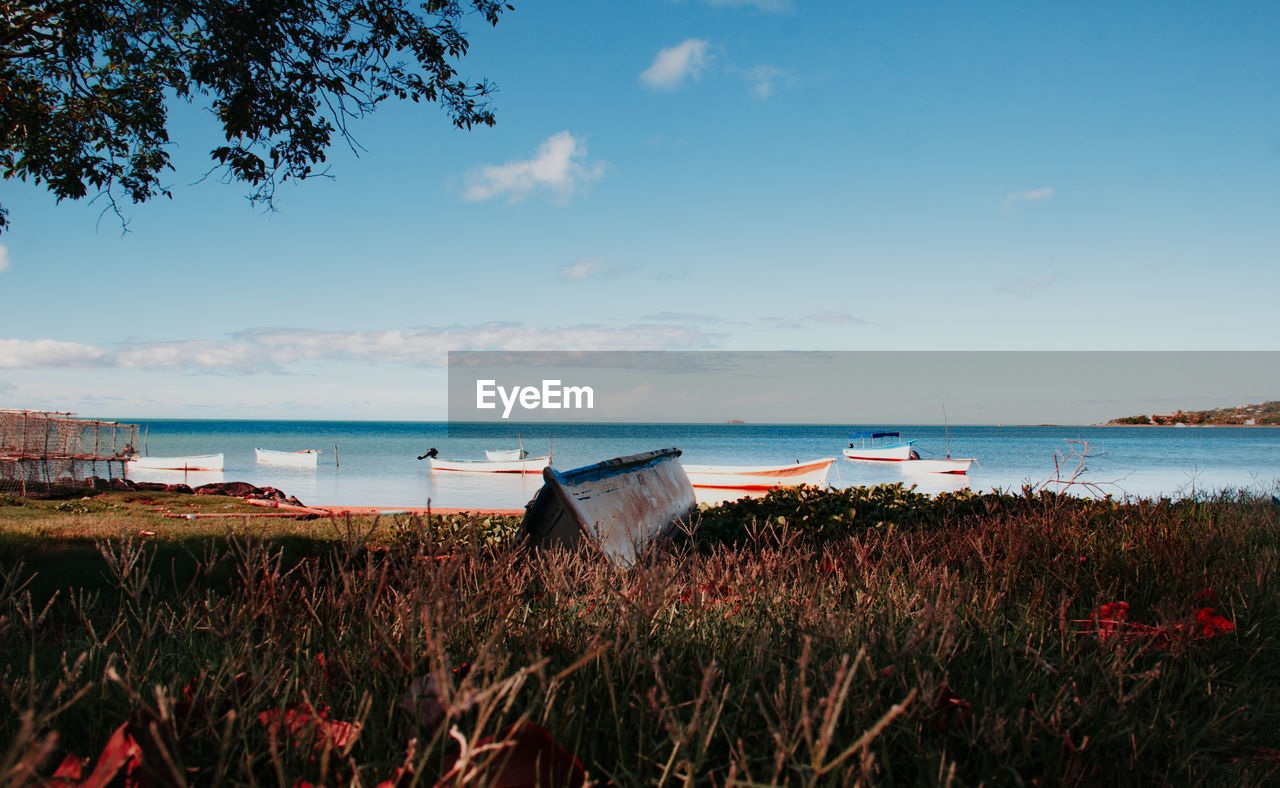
point(378, 465)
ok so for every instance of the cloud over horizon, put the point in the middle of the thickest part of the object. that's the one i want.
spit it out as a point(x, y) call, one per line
point(560, 166)
point(586, 268)
point(1030, 195)
point(674, 65)
point(763, 79)
point(271, 350)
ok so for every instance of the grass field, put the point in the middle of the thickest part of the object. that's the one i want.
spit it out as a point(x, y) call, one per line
point(868, 636)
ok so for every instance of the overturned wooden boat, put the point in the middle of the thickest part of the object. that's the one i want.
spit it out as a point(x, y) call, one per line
point(760, 477)
point(618, 506)
point(307, 458)
point(195, 462)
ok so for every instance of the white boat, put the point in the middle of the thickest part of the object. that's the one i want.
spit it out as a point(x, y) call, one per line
point(505, 454)
point(197, 462)
point(525, 465)
point(307, 458)
point(760, 477)
point(946, 465)
point(879, 446)
point(618, 506)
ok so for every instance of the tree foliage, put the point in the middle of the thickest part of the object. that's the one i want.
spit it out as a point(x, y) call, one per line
point(84, 86)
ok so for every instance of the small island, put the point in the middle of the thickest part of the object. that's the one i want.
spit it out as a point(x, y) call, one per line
point(1265, 414)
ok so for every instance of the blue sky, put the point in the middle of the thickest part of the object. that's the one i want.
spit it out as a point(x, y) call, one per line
point(694, 175)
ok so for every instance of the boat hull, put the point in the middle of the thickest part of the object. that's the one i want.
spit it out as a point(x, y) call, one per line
point(527, 465)
point(197, 462)
point(307, 458)
point(759, 477)
point(618, 506)
point(956, 466)
point(898, 452)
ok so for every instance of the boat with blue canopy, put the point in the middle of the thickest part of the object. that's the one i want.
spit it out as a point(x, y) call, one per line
point(880, 446)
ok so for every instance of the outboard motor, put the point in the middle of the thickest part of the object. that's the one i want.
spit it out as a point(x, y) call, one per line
point(430, 453)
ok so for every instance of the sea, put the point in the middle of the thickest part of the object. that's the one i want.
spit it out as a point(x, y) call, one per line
point(374, 463)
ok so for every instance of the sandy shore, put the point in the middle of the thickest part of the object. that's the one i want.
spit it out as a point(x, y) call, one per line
point(364, 511)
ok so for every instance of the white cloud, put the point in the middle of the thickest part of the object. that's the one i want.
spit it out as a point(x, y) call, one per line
point(593, 268)
point(582, 269)
point(560, 166)
point(763, 79)
point(674, 64)
point(194, 354)
point(29, 353)
point(274, 349)
point(1030, 195)
point(4, 258)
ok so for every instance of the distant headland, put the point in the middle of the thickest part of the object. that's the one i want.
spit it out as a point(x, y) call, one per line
point(1266, 414)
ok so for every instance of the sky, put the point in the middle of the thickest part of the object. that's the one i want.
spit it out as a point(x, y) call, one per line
point(694, 175)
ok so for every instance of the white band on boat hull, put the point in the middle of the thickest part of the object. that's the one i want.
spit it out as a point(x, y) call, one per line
point(197, 462)
point(759, 477)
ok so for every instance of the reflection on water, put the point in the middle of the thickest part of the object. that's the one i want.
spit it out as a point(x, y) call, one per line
point(192, 479)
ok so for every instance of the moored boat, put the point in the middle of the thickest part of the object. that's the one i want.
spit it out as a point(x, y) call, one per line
point(307, 458)
point(525, 465)
point(945, 465)
point(196, 462)
point(619, 506)
point(759, 477)
point(881, 446)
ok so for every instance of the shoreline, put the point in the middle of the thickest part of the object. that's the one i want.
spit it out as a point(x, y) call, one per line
point(377, 511)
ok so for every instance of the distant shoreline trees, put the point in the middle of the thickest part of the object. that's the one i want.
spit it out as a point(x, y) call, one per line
point(1266, 413)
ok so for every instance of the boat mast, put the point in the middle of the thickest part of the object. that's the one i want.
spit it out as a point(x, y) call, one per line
point(946, 430)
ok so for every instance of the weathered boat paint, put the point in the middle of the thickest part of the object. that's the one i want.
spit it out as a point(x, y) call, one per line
point(619, 506)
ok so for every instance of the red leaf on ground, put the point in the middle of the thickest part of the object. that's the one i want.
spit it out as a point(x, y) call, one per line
point(69, 769)
point(300, 719)
point(1108, 618)
point(950, 707)
point(1210, 623)
point(528, 757)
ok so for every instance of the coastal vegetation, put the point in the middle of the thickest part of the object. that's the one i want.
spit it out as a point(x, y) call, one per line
point(870, 635)
point(1266, 413)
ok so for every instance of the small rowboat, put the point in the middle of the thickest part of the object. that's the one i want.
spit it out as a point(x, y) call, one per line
point(526, 465)
point(618, 506)
point(875, 446)
point(505, 454)
point(947, 465)
point(307, 458)
point(198, 462)
point(759, 477)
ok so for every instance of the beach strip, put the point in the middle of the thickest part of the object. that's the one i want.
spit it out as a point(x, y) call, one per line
point(374, 511)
